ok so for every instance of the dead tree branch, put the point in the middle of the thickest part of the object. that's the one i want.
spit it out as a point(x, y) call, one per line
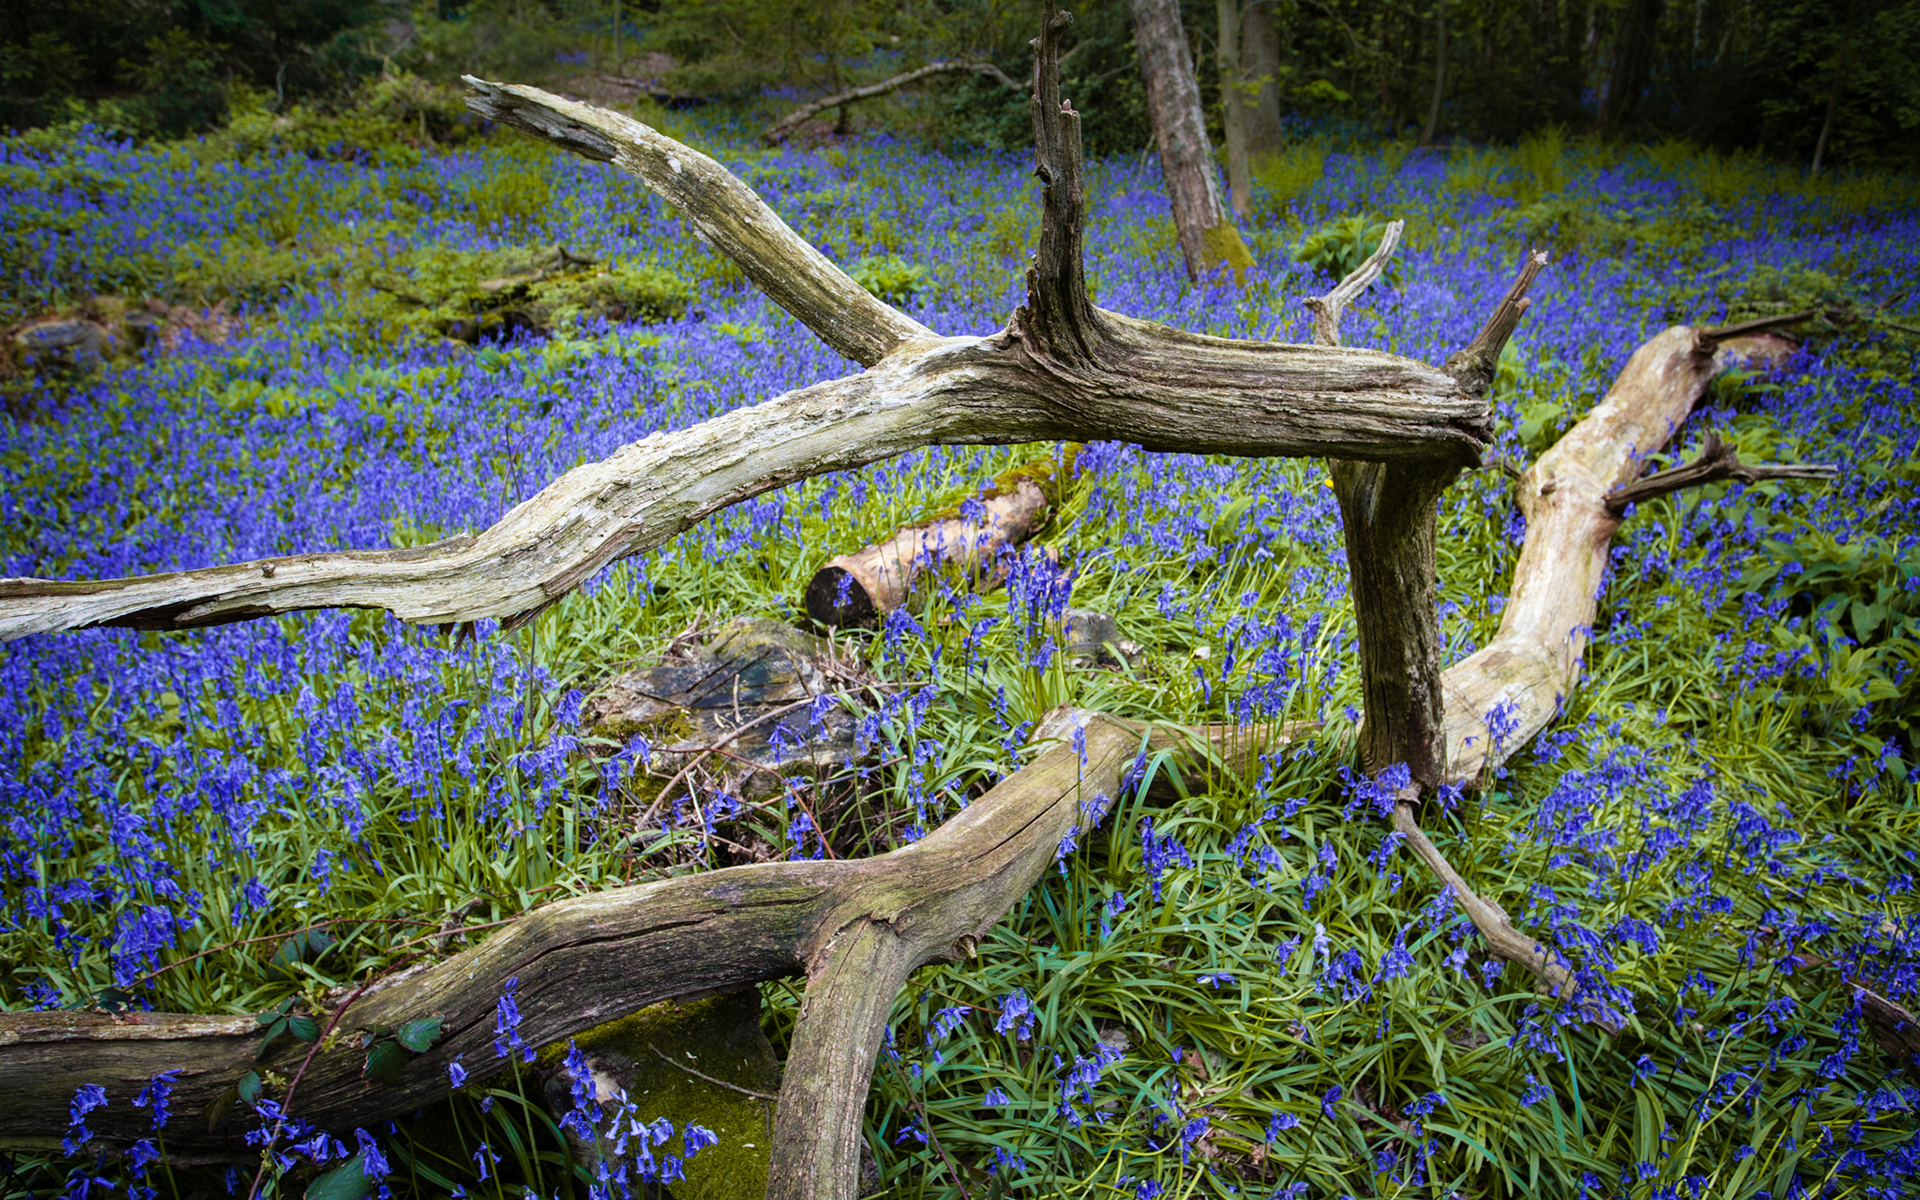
point(1718, 460)
point(1061, 371)
point(1388, 519)
point(1498, 698)
point(854, 928)
point(1387, 513)
point(782, 129)
point(1330, 309)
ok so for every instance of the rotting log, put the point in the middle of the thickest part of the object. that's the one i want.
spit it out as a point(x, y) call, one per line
point(859, 588)
point(783, 129)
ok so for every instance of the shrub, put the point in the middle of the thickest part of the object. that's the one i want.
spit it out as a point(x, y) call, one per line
point(1338, 247)
point(891, 278)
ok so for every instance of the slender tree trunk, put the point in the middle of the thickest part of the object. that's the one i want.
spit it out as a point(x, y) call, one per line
point(1833, 97)
point(1439, 72)
point(1233, 104)
point(1208, 238)
point(1260, 77)
point(1632, 52)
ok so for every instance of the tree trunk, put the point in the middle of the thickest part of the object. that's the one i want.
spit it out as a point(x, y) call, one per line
point(1233, 104)
point(1439, 72)
point(1208, 238)
point(1260, 75)
point(1833, 97)
point(1632, 56)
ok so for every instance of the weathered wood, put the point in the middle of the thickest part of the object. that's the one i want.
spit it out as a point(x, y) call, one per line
point(854, 928)
point(727, 212)
point(1144, 383)
point(782, 129)
point(1208, 238)
point(1498, 698)
point(1388, 520)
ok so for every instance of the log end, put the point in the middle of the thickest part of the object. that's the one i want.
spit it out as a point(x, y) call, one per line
point(835, 597)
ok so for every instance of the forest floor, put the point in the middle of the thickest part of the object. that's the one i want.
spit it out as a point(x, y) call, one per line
point(319, 334)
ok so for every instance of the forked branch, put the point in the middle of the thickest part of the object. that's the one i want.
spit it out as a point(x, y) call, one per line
point(1718, 460)
point(1387, 513)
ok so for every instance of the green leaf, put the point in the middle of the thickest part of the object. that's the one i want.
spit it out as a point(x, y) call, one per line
point(268, 1017)
point(249, 1088)
point(418, 1035)
point(385, 1062)
point(218, 1111)
point(348, 1181)
point(305, 1028)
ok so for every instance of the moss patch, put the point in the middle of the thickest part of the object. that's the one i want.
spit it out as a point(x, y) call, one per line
point(655, 1054)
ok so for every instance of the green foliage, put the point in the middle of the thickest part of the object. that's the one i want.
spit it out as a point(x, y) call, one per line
point(891, 278)
point(348, 1181)
point(1340, 246)
point(166, 70)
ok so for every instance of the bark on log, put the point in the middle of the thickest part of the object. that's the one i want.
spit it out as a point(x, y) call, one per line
point(782, 129)
point(859, 588)
point(1062, 370)
point(1208, 238)
point(1498, 698)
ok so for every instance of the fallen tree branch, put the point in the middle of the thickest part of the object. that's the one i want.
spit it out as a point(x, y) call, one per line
point(1061, 371)
point(1496, 928)
point(1498, 698)
point(728, 213)
point(1718, 460)
point(782, 129)
point(1387, 513)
